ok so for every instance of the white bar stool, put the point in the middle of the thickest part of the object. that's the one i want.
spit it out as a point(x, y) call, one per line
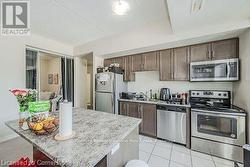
point(136, 163)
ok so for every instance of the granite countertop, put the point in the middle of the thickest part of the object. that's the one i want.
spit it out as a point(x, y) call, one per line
point(96, 134)
point(156, 102)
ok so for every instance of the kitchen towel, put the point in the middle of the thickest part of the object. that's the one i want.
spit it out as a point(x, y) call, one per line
point(65, 119)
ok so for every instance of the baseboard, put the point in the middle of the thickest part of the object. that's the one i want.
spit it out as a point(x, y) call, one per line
point(8, 137)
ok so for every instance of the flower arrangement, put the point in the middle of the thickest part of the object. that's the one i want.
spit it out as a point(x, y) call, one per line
point(24, 97)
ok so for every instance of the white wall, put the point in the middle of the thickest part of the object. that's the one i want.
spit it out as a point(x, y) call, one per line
point(155, 37)
point(12, 72)
point(242, 88)
point(144, 81)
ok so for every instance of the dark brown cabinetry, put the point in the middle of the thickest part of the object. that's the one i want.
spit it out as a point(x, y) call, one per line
point(148, 116)
point(224, 49)
point(145, 62)
point(181, 63)
point(200, 52)
point(174, 64)
point(166, 65)
point(147, 112)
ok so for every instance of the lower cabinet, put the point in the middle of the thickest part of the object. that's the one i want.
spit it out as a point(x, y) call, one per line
point(147, 112)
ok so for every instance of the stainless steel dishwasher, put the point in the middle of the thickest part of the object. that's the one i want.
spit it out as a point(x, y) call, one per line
point(171, 123)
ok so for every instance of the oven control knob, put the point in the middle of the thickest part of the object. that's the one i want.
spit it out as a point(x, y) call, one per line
point(232, 135)
point(219, 94)
point(198, 93)
point(225, 94)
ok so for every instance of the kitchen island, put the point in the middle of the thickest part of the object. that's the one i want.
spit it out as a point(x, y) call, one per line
point(101, 139)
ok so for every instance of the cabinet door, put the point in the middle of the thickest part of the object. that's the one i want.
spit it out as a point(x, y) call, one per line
point(200, 52)
point(123, 108)
point(166, 65)
point(128, 74)
point(148, 116)
point(120, 61)
point(181, 64)
point(136, 61)
point(132, 110)
point(150, 61)
point(107, 62)
point(225, 49)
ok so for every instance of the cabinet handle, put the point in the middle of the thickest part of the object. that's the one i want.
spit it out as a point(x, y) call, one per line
point(213, 54)
point(208, 54)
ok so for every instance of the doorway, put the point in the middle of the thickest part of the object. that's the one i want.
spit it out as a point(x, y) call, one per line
point(84, 81)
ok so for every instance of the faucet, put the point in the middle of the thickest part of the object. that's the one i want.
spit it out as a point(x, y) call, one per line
point(144, 95)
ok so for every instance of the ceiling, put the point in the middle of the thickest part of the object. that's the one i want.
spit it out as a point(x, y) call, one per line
point(80, 21)
point(76, 22)
point(212, 13)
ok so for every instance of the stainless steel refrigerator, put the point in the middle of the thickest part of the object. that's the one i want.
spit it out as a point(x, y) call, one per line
point(108, 86)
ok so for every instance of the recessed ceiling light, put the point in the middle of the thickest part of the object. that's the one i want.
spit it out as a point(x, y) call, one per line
point(120, 7)
point(196, 6)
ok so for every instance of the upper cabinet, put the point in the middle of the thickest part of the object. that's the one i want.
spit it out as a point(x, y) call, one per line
point(200, 52)
point(224, 49)
point(145, 62)
point(150, 61)
point(166, 65)
point(174, 64)
point(136, 62)
point(181, 63)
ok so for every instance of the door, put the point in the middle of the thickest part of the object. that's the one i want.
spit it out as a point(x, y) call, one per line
point(104, 102)
point(148, 116)
point(104, 82)
point(226, 49)
point(181, 63)
point(150, 61)
point(128, 74)
point(132, 110)
point(123, 108)
point(200, 52)
point(166, 65)
point(136, 61)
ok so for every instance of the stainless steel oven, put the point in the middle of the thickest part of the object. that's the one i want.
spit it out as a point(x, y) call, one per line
point(216, 70)
point(218, 126)
point(220, 134)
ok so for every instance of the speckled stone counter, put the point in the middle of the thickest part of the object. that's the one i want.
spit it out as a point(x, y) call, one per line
point(96, 134)
point(156, 102)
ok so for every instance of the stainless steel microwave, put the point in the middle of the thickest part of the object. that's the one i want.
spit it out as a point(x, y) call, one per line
point(215, 70)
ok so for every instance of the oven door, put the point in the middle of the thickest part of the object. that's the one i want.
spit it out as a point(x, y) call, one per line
point(217, 70)
point(217, 126)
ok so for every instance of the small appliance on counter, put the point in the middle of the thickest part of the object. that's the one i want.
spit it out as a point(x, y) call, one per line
point(165, 94)
point(217, 127)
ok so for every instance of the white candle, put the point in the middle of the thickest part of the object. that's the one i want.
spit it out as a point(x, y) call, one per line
point(65, 119)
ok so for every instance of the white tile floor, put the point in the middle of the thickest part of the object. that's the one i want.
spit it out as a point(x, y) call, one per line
point(158, 153)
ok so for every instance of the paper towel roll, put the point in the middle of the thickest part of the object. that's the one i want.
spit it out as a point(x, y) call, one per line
point(65, 119)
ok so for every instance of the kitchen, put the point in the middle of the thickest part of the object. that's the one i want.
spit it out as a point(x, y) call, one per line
point(191, 117)
point(140, 83)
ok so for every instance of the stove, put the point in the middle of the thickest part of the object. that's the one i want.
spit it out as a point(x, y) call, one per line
point(217, 127)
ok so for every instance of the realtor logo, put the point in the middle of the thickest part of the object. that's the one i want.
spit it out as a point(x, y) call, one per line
point(15, 18)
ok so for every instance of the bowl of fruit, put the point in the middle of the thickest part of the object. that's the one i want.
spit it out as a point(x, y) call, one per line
point(43, 124)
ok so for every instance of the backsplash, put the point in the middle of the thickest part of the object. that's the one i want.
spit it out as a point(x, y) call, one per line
point(144, 81)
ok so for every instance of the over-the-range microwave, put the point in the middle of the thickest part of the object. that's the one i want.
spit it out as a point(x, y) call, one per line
point(215, 70)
